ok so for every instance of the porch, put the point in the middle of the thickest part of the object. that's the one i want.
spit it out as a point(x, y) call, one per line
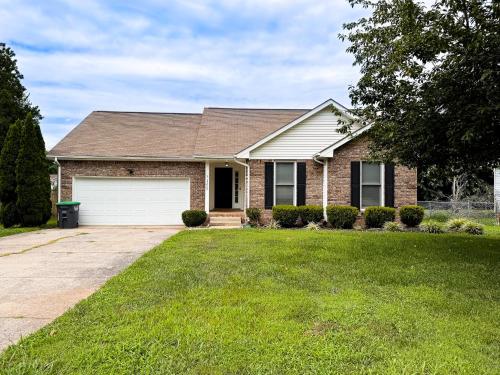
point(225, 192)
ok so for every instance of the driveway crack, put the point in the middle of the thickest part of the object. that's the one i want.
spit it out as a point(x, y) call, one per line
point(38, 246)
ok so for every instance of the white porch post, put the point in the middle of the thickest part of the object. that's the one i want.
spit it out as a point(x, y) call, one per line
point(325, 187)
point(247, 197)
point(207, 186)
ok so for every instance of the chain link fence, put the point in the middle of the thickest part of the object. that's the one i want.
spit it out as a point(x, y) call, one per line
point(442, 211)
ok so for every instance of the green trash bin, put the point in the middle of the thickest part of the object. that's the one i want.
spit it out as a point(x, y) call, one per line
point(67, 214)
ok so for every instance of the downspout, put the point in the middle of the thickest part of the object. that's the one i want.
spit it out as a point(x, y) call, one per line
point(247, 184)
point(58, 180)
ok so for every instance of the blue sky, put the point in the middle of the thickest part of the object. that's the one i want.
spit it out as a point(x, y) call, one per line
point(176, 56)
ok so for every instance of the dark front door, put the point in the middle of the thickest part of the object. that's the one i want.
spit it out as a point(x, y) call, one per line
point(223, 188)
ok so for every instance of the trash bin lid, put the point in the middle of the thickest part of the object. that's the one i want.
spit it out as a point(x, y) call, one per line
point(68, 204)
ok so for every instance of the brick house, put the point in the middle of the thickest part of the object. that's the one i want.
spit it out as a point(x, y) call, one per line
point(135, 168)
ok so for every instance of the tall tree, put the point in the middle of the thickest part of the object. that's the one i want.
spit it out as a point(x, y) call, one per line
point(9, 214)
point(32, 177)
point(430, 81)
point(14, 101)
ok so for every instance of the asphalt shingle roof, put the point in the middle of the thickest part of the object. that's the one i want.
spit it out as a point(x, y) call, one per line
point(215, 132)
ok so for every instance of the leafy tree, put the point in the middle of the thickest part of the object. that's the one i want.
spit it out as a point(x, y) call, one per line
point(429, 82)
point(9, 214)
point(14, 101)
point(32, 177)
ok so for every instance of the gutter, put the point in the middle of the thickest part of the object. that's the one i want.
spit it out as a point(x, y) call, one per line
point(118, 158)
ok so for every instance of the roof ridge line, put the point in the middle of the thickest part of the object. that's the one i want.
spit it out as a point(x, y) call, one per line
point(153, 113)
point(261, 109)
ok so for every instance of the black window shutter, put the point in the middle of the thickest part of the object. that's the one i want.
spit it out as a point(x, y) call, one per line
point(269, 185)
point(355, 187)
point(301, 184)
point(389, 185)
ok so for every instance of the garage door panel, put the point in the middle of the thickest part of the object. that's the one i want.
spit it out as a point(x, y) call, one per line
point(131, 201)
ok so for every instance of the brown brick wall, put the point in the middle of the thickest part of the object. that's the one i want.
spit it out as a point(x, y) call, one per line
point(314, 184)
point(193, 170)
point(339, 176)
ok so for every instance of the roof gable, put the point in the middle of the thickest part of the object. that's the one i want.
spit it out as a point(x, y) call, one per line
point(245, 153)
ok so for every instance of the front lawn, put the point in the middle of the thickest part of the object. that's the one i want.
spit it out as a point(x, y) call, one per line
point(16, 230)
point(285, 302)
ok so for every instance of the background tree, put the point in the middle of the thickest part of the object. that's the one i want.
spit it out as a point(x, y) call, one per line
point(14, 101)
point(32, 177)
point(9, 214)
point(429, 82)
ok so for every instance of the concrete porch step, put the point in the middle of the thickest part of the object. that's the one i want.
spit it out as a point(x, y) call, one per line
point(225, 220)
point(227, 214)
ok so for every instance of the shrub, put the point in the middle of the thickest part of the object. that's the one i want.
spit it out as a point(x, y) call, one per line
point(392, 226)
point(342, 217)
point(312, 226)
point(286, 215)
point(432, 226)
point(411, 215)
point(311, 214)
point(471, 227)
point(273, 224)
point(194, 218)
point(376, 216)
point(455, 225)
point(9, 215)
point(253, 215)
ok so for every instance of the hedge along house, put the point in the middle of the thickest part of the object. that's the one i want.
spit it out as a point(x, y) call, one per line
point(129, 168)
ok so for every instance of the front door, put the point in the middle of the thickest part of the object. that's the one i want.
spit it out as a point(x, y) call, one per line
point(223, 188)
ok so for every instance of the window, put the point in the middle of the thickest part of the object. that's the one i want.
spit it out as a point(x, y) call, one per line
point(284, 189)
point(371, 184)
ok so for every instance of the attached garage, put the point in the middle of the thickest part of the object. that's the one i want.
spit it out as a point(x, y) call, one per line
point(131, 200)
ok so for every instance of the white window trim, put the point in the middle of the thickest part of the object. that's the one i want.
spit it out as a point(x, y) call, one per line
point(382, 184)
point(294, 180)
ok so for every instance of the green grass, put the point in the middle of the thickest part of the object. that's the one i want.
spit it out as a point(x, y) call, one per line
point(285, 302)
point(52, 223)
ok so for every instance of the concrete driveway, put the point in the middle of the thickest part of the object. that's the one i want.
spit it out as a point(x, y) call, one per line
point(44, 273)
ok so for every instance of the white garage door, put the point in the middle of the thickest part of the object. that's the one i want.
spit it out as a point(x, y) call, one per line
point(131, 201)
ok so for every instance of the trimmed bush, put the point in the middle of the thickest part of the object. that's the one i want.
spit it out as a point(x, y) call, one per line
point(455, 225)
point(471, 227)
point(376, 217)
point(194, 218)
point(342, 217)
point(432, 226)
point(254, 215)
point(311, 214)
point(411, 216)
point(286, 215)
point(392, 226)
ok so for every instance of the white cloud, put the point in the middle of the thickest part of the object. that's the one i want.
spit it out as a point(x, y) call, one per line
point(176, 56)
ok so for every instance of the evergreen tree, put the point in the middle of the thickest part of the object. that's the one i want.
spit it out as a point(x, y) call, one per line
point(32, 177)
point(14, 102)
point(9, 214)
point(44, 174)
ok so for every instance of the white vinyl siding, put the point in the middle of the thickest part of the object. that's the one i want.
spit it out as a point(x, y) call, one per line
point(131, 201)
point(303, 140)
